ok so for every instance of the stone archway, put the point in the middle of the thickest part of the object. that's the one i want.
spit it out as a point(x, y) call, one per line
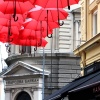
point(23, 96)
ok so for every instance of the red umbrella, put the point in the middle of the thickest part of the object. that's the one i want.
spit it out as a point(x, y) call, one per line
point(5, 37)
point(29, 42)
point(56, 3)
point(41, 14)
point(4, 29)
point(40, 25)
point(36, 25)
point(6, 22)
point(28, 33)
point(10, 7)
point(9, 16)
point(32, 1)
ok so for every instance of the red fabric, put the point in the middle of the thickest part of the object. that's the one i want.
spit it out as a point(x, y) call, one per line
point(4, 33)
point(53, 3)
point(10, 16)
point(27, 42)
point(36, 25)
point(31, 34)
point(7, 7)
point(39, 13)
point(32, 1)
point(5, 22)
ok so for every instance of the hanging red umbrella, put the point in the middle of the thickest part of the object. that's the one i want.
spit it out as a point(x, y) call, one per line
point(56, 3)
point(39, 13)
point(10, 16)
point(32, 1)
point(5, 37)
point(14, 29)
point(40, 25)
point(9, 7)
point(28, 33)
point(6, 22)
point(29, 42)
point(36, 25)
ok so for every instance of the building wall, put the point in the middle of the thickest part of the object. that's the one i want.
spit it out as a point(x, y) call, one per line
point(59, 58)
point(89, 51)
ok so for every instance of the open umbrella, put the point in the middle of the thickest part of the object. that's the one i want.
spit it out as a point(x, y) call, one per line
point(40, 25)
point(39, 13)
point(9, 7)
point(35, 25)
point(6, 22)
point(28, 33)
point(32, 1)
point(10, 16)
point(5, 37)
point(56, 3)
point(29, 42)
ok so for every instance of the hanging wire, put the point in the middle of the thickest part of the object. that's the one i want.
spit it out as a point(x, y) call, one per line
point(51, 59)
point(14, 15)
point(43, 74)
point(35, 49)
point(9, 39)
point(61, 24)
point(47, 27)
point(29, 47)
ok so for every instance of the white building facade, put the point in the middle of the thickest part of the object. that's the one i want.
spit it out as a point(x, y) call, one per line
point(24, 75)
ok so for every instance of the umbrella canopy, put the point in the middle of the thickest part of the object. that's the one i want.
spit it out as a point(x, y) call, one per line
point(55, 3)
point(32, 1)
point(10, 16)
point(37, 25)
point(29, 42)
point(41, 14)
point(5, 37)
point(8, 7)
point(21, 7)
point(7, 22)
point(28, 33)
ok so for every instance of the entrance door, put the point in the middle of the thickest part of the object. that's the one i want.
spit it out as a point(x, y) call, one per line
point(23, 96)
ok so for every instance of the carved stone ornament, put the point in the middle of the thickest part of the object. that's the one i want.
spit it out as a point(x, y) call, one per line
point(97, 1)
point(32, 90)
point(12, 90)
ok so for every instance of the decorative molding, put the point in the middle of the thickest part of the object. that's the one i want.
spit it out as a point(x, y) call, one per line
point(22, 81)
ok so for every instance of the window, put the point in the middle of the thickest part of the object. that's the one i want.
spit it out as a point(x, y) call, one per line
point(25, 49)
point(94, 23)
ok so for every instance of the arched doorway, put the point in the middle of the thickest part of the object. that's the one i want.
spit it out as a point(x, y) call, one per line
point(23, 96)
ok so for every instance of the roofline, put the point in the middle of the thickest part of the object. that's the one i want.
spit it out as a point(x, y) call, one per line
point(19, 63)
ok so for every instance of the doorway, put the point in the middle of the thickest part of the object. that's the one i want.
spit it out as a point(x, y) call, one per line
point(23, 96)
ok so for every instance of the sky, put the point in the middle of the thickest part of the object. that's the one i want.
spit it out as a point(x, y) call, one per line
point(3, 53)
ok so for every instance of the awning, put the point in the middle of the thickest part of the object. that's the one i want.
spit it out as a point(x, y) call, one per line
point(69, 90)
point(89, 90)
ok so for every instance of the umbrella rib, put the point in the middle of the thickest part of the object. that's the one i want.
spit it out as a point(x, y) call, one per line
point(20, 8)
point(51, 15)
point(6, 8)
point(58, 16)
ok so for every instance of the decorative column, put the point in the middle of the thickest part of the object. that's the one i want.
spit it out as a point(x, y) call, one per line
point(38, 91)
point(7, 95)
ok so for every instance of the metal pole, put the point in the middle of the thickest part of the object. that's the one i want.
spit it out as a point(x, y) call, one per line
point(43, 75)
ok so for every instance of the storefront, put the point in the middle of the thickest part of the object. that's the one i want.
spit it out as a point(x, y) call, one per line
point(89, 90)
point(83, 88)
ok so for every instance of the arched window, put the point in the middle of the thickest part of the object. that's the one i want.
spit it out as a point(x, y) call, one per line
point(23, 96)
